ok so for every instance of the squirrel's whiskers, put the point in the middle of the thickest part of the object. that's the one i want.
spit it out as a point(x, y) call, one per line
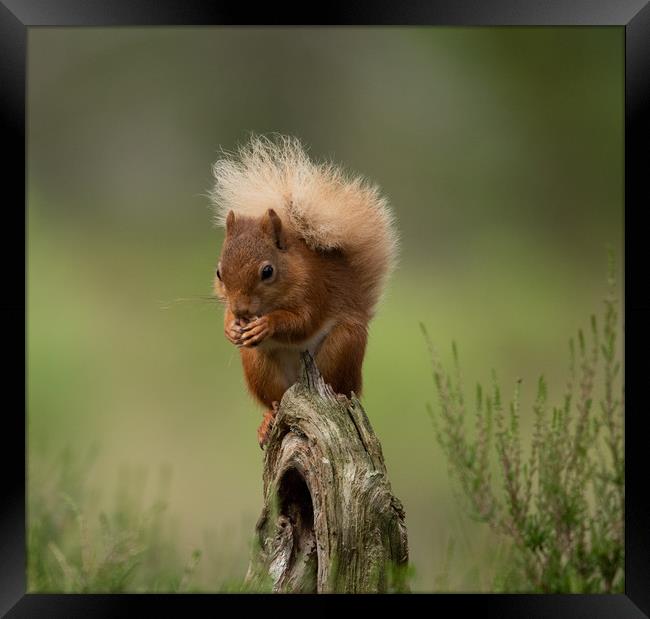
point(199, 299)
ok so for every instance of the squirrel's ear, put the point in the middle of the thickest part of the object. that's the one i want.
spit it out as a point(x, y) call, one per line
point(272, 224)
point(230, 220)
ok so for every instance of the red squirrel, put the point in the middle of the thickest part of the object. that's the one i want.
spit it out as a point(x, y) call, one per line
point(306, 255)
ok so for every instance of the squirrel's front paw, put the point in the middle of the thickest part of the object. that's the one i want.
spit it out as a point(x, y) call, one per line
point(233, 333)
point(256, 331)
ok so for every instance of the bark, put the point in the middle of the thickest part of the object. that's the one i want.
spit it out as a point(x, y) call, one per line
point(330, 522)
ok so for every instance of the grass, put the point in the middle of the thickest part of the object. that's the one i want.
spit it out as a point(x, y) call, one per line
point(74, 545)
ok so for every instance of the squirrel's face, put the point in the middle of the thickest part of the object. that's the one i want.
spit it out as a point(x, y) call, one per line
point(257, 266)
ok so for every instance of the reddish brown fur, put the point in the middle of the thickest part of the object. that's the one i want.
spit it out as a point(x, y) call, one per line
point(272, 322)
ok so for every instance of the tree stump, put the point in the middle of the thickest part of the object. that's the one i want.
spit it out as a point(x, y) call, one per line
point(330, 523)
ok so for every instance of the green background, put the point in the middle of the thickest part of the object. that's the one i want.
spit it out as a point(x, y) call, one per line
point(501, 151)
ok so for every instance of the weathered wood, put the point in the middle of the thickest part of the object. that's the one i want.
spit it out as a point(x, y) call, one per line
point(330, 522)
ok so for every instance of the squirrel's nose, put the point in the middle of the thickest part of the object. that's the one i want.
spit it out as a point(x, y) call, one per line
point(241, 308)
point(241, 313)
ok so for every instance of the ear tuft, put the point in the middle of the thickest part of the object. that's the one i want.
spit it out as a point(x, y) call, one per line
point(272, 224)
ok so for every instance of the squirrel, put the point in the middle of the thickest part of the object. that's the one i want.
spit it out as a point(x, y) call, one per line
point(305, 258)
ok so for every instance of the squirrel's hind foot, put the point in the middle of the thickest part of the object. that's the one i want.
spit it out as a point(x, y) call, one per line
point(264, 431)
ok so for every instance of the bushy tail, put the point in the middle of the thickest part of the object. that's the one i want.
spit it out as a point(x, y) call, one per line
point(326, 207)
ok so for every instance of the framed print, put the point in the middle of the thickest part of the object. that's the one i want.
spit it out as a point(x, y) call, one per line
point(351, 306)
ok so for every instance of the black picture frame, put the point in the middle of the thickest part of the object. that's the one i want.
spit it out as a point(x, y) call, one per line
point(16, 16)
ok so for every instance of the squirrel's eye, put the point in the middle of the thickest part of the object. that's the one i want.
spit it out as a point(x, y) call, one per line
point(267, 272)
point(219, 274)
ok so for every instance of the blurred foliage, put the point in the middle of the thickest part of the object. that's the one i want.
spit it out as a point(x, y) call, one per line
point(501, 150)
point(73, 552)
point(562, 508)
point(76, 546)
